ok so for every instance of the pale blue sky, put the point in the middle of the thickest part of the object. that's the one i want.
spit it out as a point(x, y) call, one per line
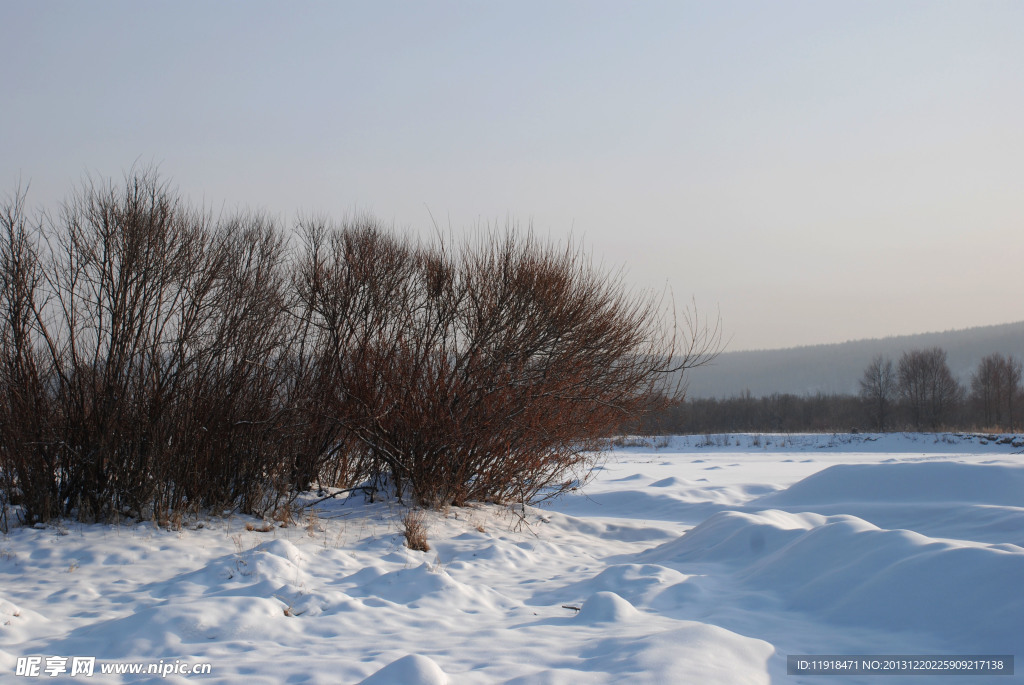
point(818, 171)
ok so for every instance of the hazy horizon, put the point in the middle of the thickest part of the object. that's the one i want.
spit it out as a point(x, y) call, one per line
point(815, 172)
point(888, 336)
point(837, 368)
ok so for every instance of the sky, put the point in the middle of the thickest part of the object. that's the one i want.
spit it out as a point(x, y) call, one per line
point(812, 172)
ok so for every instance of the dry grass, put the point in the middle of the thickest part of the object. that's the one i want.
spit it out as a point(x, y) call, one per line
point(313, 523)
point(415, 530)
point(284, 516)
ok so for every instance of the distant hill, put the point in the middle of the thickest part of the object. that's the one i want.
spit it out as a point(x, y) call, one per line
point(837, 368)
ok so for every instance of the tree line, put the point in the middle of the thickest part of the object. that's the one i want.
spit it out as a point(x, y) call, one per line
point(155, 360)
point(917, 392)
point(921, 392)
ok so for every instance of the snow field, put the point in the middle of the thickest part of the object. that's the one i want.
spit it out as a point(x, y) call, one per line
point(690, 560)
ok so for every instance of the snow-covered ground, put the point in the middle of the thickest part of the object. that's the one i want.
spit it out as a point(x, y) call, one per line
point(705, 559)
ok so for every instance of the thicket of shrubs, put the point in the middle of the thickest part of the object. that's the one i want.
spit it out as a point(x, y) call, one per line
point(776, 413)
point(154, 360)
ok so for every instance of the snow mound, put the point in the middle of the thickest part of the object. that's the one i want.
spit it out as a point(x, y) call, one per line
point(8, 610)
point(503, 554)
point(843, 570)
point(163, 629)
point(636, 583)
point(275, 562)
point(428, 586)
point(268, 569)
point(281, 548)
point(413, 669)
point(606, 607)
point(18, 623)
point(691, 653)
point(963, 501)
point(989, 484)
point(732, 535)
point(407, 586)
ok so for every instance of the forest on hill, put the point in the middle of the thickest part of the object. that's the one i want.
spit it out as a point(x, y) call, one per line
point(836, 369)
point(920, 388)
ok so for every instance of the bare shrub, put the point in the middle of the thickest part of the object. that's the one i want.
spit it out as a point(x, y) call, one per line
point(146, 358)
point(28, 465)
point(486, 371)
point(155, 361)
point(414, 528)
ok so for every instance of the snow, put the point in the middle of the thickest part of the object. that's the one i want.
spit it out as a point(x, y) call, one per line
point(704, 559)
point(412, 670)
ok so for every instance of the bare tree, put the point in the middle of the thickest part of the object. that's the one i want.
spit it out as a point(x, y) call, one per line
point(927, 387)
point(878, 388)
point(996, 390)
